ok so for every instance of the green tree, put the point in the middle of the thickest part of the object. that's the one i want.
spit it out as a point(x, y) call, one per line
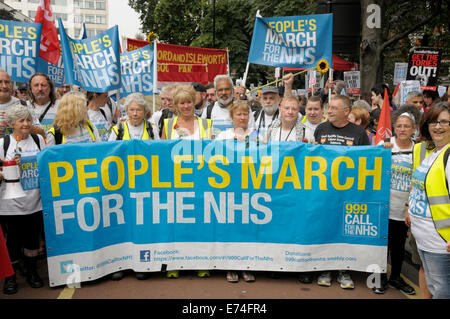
point(7, 14)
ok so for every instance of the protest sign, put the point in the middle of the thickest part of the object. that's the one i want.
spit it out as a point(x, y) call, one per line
point(406, 87)
point(54, 72)
point(93, 63)
point(296, 42)
point(19, 49)
point(177, 63)
point(352, 81)
point(185, 204)
point(400, 71)
point(137, 71)
point(423, 65)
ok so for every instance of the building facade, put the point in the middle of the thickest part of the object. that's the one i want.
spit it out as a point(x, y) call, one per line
point(94, 13)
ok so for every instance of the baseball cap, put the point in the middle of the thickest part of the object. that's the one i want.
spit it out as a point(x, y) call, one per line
point(269, 89)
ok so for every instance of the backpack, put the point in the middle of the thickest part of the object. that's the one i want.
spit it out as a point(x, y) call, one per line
point(120, 131)
point(7, 141)
point(165, 114)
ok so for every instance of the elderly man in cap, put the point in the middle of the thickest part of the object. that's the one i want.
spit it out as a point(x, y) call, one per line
point(270, 100)
point(200, 98)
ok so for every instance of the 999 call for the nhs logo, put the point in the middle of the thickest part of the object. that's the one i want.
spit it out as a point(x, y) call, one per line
point(361, 219)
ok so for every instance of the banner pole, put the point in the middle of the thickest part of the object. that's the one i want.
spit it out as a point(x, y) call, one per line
point(155, 74)
point(228, 63)
point(244, 80)
point(330, 77)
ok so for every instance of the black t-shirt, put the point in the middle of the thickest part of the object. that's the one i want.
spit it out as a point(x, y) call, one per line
point(351, 134)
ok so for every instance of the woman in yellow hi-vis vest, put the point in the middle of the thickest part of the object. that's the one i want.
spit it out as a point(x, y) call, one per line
point(135, 127)
point(185, 125)
point(429, 199)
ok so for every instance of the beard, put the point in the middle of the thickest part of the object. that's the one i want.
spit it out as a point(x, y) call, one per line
point(225, 103)
point(270, 109)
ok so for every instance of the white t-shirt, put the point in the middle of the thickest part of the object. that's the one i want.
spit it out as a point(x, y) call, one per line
point(49, 117)
point(230, 134)
point(101, 123)
point(422, 225)
point(80, 135)
point(155, 120)
point(401, 171)
point(262, 123)
point(193, 136)
point(4, 128)
point(309, 131)
point(286, 135)
point(136, 132)
point(29, 178)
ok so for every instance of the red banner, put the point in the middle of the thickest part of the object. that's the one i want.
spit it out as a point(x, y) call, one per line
point(212, 61)
point(133, 44)
point(177, 63)
point(49, 48)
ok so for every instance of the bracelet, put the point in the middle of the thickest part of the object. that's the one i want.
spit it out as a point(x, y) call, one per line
point(406, 204)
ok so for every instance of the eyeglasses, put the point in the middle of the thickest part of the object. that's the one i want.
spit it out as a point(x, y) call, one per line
point(442, 123)
point(406, 127)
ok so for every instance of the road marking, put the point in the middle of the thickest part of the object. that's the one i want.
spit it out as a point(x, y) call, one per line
point(416, 288)
point(67, 293)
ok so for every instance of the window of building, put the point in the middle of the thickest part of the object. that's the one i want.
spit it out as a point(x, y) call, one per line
point(89, 18)
point(78, 3)
point(89, 5)
point(100, 5)
point(77, 18)
point(100, 19)
point(32, 14)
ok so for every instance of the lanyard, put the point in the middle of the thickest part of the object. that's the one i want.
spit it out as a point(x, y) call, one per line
point(263, 119)
point(281, 129)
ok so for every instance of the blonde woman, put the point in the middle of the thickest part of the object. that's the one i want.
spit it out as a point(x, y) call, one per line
point(185, 125)
point(71, 123)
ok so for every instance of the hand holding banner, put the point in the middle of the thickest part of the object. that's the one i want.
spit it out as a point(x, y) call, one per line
point(92, 63)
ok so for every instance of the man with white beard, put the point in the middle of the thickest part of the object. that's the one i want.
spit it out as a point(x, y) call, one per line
point(219, 111)
point(270, 100)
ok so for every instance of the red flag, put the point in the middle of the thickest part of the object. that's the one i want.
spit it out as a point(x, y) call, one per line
point(384, 128)
point(49, 49)
point(6, 269)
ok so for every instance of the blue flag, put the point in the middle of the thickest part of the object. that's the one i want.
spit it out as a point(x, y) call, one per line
point(54, 72)
point(19, 48)
point(137, 71)
point(92, 63)
point(295, 42)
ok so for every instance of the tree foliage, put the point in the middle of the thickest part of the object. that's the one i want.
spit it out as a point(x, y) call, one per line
point(7, 14)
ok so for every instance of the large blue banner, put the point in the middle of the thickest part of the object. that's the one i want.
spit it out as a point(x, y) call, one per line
point(137, 71)
point(92, 63)
point(19, 48)
point(295, 42)
point(148, 205)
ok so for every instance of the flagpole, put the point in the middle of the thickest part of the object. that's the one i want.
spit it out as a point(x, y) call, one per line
point(244, 80)
point(155, 74)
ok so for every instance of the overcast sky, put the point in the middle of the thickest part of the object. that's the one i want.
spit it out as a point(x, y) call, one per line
point(125, 17)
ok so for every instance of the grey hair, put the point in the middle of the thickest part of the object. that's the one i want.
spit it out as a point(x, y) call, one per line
point(413, 94)
point(363, 104)
point(222, 77)
point(169, 88)
point(139, 99)
point(16, 112)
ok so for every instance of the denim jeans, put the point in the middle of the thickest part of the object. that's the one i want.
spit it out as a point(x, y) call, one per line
point(437, 273)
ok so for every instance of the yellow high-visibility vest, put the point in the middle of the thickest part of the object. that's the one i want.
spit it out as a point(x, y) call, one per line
point(126, 131)
point(436, 188)
point(204, 127)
